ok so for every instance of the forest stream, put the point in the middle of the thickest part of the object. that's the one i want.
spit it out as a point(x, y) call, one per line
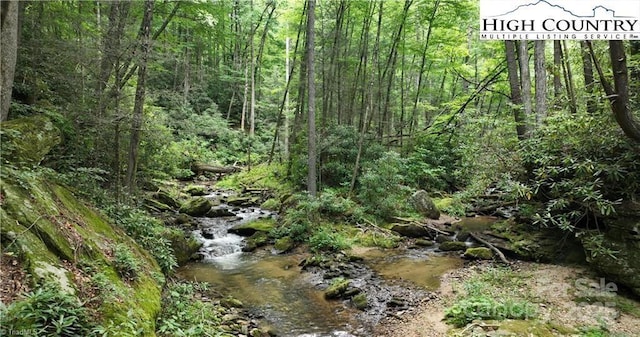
point(276, 292)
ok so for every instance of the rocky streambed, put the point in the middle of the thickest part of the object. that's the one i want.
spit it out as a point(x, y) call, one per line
point(300, 294)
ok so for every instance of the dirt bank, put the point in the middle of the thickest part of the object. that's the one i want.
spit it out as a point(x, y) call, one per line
point(570, 301)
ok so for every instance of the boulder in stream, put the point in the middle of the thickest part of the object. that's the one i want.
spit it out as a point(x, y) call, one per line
point(425, 205)
point(452, 246)
point(284, 244)
point(247, 229)
point(197, 206)
point(195, 190)
point(167, 199)
point(410, 230)
point(337, 288)
point(219, 213)
point(478, 253)
point(243, 201)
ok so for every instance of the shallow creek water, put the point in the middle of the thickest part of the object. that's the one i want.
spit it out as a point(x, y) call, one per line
point(274, 289)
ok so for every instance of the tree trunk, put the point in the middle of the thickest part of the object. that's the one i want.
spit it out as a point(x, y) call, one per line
point(557, 68)
point(312, 175)
point(136, 123)
point(620, 98)
point(422, 65)
point(514, 84)
point(568, 78)
point(8, 54)
point(589, 82)
point(525, 79)
point(541, 81)
point(252, 107)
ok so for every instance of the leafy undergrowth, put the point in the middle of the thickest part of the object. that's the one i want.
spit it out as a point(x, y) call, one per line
point(497, 294)
point(330, 223)
point(271, 177)
point(185, 313)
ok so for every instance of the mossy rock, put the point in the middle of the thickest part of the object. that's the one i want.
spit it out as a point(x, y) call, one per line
point(250, 228)
point(195, 190)
point(271, 204)
point(230, 302)
point(219, 213)
point(184, 245)
point(424, 205)
point(243, 201)
point(452, 246)
point(156, 206)
point(197, 206)
point(410, 230)
point(478, 253)
point(26, 141)
point(54, 228)
point(424, 243)
point(614, 255)
point(284, 244)
point(167, 199)
point(337, 288)
point(255, 241)
point(360, 301)
point(529, 242)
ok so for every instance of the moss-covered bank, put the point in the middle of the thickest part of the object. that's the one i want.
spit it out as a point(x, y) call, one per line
point(60, 240)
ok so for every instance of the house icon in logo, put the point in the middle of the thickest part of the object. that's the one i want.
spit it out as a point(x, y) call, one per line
point(555, 9)
point(560, 19)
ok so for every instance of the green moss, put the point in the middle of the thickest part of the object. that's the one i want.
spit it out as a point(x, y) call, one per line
point(452, 246)
point(197, 206)
point(26, 141)
point(265, 225)
point(284, 244)
point(337, 288)
point(525, 328)
point(360, 301)
point(51, 225)
point(195, 190)
point(480, 253)
point(258, 239)
point(184, 244)
point(271, 177)
point(442, 203)
point(271, 204)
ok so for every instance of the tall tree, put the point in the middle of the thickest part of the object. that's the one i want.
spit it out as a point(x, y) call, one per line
point(525, 80)
point(136, 124)
point(8, 53)
point(541, 80)
point(312, 174)
point(589, 82)
point(514, 84)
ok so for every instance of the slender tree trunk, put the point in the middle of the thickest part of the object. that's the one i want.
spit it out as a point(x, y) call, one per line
point(138, 107)
point(422, 65)
point(557, 68)
point(8, 53)
point(252, 107)
point(589, 82)
point(245, 98)
point(514, 84)
point(619, 94)
point(568, 77)
point(541, 80)
point(312, 175)
point(525, 79)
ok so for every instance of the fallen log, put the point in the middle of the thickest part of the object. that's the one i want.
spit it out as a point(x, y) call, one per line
point(491, 246)
point(200, 168)
point(492, 207)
